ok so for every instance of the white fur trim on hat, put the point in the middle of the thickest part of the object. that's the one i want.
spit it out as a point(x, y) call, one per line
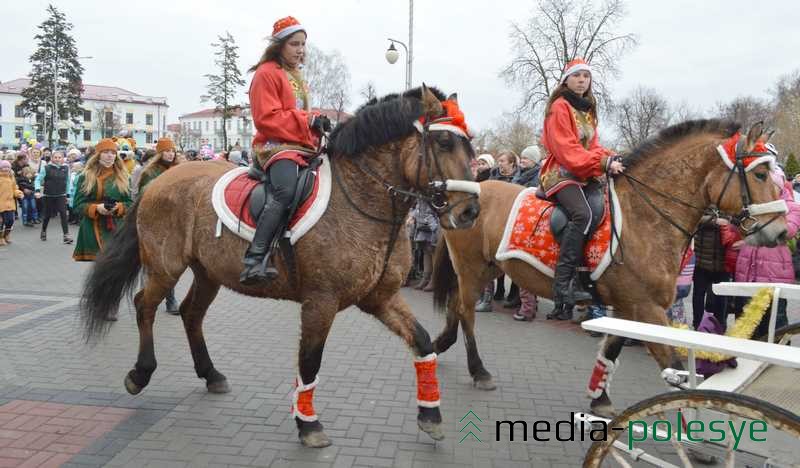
point(288, 31)
point(770, 160)
point(575, 69)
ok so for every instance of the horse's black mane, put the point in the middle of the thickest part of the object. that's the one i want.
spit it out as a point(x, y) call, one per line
point(670, 135)
point(379, 121)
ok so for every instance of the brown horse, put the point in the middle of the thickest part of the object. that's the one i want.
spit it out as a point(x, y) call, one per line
point(391, 152)
point(682, 162)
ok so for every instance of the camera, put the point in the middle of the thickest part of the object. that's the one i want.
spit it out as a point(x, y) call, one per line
point(109, 203)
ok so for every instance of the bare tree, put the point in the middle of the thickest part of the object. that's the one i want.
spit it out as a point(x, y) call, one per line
point(746, 110)
point(558, 32)
point(510, 132)
point(368, 92)
point(109, 120)
point(787, 114)
point(640, 115)
point(222, 87)
point(328, 78)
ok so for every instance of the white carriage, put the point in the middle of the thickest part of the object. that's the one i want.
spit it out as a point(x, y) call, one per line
point(765, 386)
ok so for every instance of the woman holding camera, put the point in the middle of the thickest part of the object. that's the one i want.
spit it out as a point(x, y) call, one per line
point(102, 196)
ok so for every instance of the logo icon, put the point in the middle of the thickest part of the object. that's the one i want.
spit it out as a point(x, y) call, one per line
point(469, 426)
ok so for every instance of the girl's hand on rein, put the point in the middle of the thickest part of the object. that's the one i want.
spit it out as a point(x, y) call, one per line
point(615, 168)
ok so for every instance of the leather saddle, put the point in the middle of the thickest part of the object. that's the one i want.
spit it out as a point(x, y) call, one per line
point(305, 186)
point(595, 195)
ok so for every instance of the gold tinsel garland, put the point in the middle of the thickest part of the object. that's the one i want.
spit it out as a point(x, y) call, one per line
point(744, 326)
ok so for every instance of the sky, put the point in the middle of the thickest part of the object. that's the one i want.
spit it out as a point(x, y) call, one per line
point(693, 52)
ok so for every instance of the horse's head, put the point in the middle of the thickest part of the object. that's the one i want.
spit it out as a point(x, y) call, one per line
point(440, 169)
point(745, 188)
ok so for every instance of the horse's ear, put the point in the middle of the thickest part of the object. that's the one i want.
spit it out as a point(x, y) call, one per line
point(767, 135)
point(754, 134)
point(453, 97)
point(430, 103)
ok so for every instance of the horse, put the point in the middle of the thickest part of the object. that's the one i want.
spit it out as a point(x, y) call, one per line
point(390, 153)
point(682, 165)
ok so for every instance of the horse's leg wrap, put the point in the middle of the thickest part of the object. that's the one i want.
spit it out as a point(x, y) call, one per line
point(303, 400)
point(427, 383)
point(600, 380)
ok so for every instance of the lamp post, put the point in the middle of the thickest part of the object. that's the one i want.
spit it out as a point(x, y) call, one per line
point(45, 115)
point(392, 54)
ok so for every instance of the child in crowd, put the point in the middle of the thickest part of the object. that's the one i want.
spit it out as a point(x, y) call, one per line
point(8, 206)
point(26, 182)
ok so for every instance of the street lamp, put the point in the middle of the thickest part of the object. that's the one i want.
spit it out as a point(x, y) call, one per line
point(392, 54)
point(45, 111)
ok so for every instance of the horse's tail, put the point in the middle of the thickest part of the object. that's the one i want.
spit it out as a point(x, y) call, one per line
point(445, 281)
point(112, 276)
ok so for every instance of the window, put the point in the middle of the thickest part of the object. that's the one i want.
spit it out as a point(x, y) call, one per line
point(215, 125)
point(19, 112)
point(87, 135)
point(1, 131)
point(148, 119)
point(148, 137)
point(108, 133)
point(1, 110)
point(206, 125)
point(109, 120)
point(17, 132)
point(129, 118)
point(62, 134)
point(87, 115)
point(229, 124)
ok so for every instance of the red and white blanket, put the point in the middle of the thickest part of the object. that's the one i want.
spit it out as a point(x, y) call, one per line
point(231, 199)
point(528, 237)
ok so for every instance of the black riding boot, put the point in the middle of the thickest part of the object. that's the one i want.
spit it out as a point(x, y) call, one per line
point(567, 288)
point(257, 265)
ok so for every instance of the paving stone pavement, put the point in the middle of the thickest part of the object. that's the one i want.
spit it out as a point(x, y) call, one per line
point(366, 396)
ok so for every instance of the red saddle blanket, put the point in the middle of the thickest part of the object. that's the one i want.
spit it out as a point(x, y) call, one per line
point(237, 198)
point(230, 198)
point(528, 237)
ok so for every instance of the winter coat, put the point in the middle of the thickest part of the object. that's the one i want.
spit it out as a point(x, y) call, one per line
point(708, 247)
point(771, 264)
point(95, 229)
point(574, 154)
point(26, 184)
point(426, 223)
point(494, 174)
point(729, 235)
point(483, 175)
point(528, 177)
point(8, 192)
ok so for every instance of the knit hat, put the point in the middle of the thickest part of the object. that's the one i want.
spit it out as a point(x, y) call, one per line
point(106, 144)
point(5, 164)
point(165, 144)
point(487, 158)
point(532, 152)
point(573, 67)
point(285, 27)
point(74, 151)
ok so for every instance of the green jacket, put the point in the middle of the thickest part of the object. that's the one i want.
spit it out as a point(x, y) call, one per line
point(95, 229)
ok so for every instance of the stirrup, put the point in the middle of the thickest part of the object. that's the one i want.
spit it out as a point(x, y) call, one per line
point(262, 271)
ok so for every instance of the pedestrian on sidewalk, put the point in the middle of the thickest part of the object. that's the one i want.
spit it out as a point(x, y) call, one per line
point(52, 182)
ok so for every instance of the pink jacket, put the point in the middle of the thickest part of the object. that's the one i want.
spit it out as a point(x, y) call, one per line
point(770, 264)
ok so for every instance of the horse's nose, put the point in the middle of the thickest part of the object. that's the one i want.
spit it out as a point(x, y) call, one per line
point(782, 237)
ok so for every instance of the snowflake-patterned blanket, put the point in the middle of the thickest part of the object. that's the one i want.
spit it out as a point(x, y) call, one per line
point(528, 237)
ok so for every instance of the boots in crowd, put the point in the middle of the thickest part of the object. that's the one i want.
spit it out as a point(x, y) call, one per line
point(43, 236)
point(426, 284)
point(2, 237)
point(484, 303)
point(67, 239)
point(528, 307)
point(171, 303)
point(7, 236)
point(512, 301)
point(500, 291)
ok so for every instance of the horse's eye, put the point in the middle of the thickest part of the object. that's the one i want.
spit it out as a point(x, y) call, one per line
point(445, 141)
point(762, 176)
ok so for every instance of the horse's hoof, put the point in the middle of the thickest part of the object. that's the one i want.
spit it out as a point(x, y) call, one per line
point(604, 411)
point(131, 386)
point(433, 429)
point(315, 439)
point(220, 386)
point(484, 384)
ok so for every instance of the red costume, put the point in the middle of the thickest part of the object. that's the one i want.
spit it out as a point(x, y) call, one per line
point(573, 156)
point(276, 116)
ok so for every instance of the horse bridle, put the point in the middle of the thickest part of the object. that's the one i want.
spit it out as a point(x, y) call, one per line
point(746, 214)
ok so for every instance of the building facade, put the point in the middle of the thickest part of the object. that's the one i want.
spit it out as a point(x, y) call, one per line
point(107, 111)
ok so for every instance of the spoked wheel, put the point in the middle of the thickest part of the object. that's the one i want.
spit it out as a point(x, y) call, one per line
point(667, 411)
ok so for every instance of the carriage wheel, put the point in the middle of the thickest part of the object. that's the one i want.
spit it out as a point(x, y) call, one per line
point(665, 406)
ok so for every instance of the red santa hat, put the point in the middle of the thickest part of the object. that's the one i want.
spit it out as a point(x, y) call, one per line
point(575, 66)
point(285, 27)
